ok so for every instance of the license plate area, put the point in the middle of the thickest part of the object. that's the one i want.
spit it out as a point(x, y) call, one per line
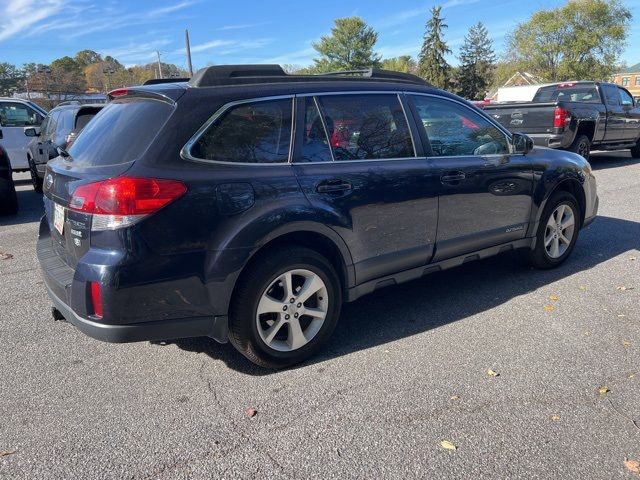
point(58, 218)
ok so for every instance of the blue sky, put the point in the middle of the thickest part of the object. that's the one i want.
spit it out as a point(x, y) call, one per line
point(243, 31)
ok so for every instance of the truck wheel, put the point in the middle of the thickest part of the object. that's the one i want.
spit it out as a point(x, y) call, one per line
point(285, 307)
point(35, 180)
point(8, 197)
point(635, 151)
point(582, 146)
point(557, 231)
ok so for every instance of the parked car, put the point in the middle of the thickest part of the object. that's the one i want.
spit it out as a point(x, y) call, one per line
point(225, 208)
point(576, 116)
point(58, 130)
point(15, 117)
point(8, 197)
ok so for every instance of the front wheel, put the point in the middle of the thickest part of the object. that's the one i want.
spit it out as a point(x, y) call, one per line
point(285, 307)
point(582, 146)
point(557, 232)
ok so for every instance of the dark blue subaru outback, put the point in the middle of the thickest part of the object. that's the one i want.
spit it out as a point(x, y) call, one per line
point(248, 204)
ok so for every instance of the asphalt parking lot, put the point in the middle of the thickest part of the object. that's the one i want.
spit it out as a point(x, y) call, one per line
point(406, 369)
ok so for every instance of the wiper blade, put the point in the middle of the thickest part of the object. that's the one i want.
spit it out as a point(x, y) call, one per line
point(63, 153)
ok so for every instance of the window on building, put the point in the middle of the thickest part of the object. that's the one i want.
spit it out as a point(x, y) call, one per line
point(625, 81)
point(637, 80)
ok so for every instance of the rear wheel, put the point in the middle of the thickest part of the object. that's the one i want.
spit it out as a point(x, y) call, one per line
point(35, 180)
point(582, 146)
point(557, 232)
point(285, 307)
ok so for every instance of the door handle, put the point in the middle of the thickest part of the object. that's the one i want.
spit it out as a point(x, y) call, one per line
point(0, 134)
point(333, 186)
point(453, 177)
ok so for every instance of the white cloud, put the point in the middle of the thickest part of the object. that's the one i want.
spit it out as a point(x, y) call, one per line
point(19, 15)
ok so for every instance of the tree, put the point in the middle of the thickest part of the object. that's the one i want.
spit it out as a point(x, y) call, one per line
point(477, 61)
point(11, 79)
point(85, 58)
point(581, 40)
point(432, 66)
point(403, 63)
point(349, 47)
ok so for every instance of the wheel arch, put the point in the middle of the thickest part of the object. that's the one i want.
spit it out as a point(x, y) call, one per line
point(588, 128)
point(319, 238)
point(572, 186)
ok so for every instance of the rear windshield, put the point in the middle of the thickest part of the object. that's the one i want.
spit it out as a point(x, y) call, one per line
point(575, 93)
point(120, 133)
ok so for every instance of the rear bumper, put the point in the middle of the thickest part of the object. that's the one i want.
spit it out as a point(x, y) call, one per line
point(216, 327)
point(548, 140)
point(67, 288)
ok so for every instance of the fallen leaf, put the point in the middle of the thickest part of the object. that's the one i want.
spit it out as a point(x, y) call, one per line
point(548, 308)
point(455, 397)
point(622, 288)
point(252, 412)
point(587, 333)
point(633, 258)
point(5, 256)
point(7, 452)
point(386, 351)
point(553, 297)
point(626, 343)
point(582, 287)
point(491, 373)
point(603, 390)
point(447, 445)
point(555, 418)
point(632, 466)
point(621, 315)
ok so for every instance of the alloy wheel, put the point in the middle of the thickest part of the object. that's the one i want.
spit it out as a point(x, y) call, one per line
point(559, 231)
point(292, 310)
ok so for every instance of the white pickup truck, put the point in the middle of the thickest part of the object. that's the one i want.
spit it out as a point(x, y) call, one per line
point(16, 116)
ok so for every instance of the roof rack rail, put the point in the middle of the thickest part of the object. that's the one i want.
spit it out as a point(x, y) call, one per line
point(157, 81)
point(69, 102)
point(238, 74)
point(378, 73)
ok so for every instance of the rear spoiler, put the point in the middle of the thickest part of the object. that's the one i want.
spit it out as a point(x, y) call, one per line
point(168, 95)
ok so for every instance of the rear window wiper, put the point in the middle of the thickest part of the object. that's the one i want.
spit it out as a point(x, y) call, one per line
point(62, 152)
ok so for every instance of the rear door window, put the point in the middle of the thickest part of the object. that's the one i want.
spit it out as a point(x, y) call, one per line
point(366, 126)
point(454, 130)
point(121, 132)
point(255, 132)
point(612, 95)
point(315, 142)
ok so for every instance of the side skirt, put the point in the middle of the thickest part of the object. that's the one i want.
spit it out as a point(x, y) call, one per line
point(415, 273)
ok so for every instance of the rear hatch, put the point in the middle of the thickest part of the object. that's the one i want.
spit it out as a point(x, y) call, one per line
point(526, 117)
point(107, 147)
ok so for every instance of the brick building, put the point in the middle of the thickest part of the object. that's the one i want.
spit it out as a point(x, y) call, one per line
point(629, 78)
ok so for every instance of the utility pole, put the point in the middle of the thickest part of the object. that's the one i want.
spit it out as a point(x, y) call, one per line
point(186, 37)
point(159, 64)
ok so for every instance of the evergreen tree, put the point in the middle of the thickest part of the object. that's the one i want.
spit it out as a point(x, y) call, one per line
point(432, 65)
point(350, 46)
point(477, 61)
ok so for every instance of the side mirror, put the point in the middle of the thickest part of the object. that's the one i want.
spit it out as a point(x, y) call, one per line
point(31, 132)
point(521, 143)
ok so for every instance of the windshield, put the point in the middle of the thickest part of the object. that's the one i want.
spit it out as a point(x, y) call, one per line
point(120, 133)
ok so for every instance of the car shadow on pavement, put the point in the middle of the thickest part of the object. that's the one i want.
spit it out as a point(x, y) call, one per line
point(30, 208)
point(606, 160)
point(442, 298)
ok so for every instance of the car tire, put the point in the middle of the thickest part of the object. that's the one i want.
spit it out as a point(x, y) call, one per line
point(8, 197)
point(36, 181)
point(554, 244)
point(635, 151)
point(582, 146)
point(285, 333)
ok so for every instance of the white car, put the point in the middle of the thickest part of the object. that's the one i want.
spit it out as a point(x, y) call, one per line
point(15, 117)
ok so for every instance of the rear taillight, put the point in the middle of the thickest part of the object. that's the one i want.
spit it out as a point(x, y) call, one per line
point(561, 118)
point(96, 300)
point(122, 201)
point(118, 92)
